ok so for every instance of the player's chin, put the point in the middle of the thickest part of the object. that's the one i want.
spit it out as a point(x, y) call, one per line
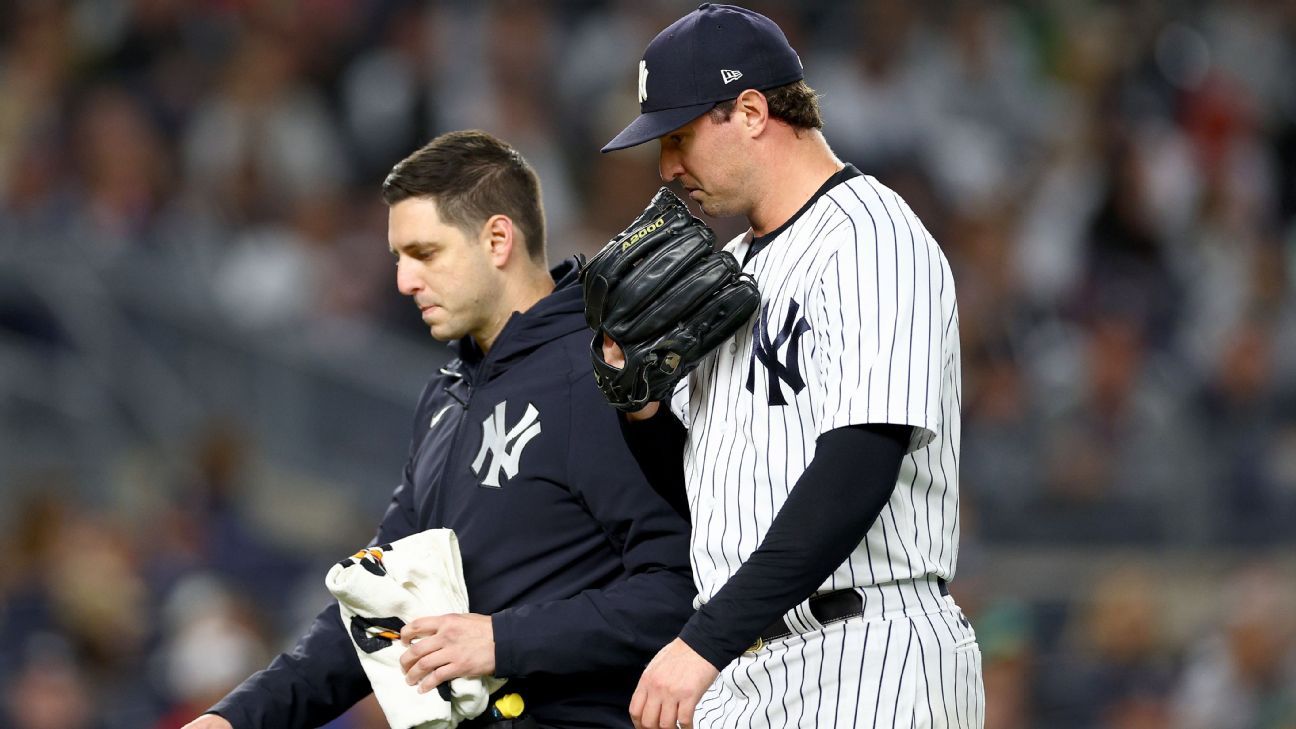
point(714, 208)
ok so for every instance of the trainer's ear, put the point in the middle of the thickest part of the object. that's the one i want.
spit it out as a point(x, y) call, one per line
point(501, 239)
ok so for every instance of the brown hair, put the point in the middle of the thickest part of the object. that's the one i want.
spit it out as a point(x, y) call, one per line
point(471, 176)
point(795, 103)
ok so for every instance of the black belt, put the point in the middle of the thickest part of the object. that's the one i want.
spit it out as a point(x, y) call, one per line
point(826, 608)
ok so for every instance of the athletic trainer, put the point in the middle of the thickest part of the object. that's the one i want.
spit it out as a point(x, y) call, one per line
point(577, 571)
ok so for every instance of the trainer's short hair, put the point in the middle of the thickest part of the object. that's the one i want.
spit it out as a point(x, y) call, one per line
point(471, 176)
point(795, 103)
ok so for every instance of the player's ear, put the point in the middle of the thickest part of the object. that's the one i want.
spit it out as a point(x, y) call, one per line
point(753, 110)
point(500, 238)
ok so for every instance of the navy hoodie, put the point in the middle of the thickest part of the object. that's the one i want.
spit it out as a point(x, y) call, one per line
point(582, 566)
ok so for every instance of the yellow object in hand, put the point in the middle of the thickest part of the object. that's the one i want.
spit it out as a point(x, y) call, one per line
point(510, 706)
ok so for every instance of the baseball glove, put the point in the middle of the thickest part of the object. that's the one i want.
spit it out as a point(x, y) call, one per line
point(661, 292)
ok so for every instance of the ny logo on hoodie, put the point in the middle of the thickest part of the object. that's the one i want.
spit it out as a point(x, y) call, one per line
point(503, 444)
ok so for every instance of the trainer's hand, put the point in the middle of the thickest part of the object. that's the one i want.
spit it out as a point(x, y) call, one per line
point(671, 687)
point(613, 355)
point(208, 721)
point(448, 646)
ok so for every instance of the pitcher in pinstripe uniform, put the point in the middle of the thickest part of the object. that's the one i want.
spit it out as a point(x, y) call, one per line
point(820, 445)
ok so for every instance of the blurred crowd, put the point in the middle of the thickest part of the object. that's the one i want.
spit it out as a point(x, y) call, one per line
point(1114, 184)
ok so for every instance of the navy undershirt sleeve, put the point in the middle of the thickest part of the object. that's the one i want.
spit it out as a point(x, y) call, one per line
point(826, 515)
point(657, 445)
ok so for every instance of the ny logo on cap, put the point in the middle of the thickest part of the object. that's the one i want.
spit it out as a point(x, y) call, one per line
point(643, 81)
point(728, 76)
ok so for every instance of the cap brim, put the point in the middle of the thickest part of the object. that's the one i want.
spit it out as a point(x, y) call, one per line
point(653, 124)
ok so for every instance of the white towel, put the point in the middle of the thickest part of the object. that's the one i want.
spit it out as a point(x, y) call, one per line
point(379, 589)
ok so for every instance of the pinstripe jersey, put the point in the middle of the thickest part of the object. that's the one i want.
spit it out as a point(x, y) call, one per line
point(858, 324)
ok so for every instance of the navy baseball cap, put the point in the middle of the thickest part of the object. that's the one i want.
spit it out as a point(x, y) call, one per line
point(708, 56)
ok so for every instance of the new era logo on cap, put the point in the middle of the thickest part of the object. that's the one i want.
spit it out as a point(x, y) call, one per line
point(692, 65)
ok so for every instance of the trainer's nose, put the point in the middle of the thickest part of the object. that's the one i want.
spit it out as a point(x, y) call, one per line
point(407, 280)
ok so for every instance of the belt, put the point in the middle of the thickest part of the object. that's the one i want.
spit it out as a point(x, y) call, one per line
point(828, 607)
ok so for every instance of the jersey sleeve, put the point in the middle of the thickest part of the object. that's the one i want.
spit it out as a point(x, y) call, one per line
point(878, 331)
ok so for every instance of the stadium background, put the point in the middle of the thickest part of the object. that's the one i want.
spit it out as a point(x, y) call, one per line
point(206, 376)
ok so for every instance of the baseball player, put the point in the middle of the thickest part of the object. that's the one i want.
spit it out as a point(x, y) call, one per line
point(576, 571)
point(820, 461)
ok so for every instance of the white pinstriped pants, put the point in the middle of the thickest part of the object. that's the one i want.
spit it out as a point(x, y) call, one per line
point(910, 665)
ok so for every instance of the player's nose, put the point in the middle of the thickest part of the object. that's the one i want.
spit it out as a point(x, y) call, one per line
point(668, 165)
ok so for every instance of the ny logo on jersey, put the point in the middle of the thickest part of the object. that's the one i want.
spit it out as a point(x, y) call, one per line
point(504, 445)
point(766, 350)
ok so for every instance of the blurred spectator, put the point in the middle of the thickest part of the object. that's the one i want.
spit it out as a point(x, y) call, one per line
point(987, 111)
point(1249, 420)
point(34, 71)
point(1002, 428)
point(74, 620)
point(875, 97)
point(389, 101)
point(1115, 670)
point(229, 543)
point(34, 526)
point(265, 139)
point(211, 645)
point(1224, 268)
point(275, 274)
point(124, 171)
point(34, 65)
point(96, 594)
point(1005, 634)
point(1242, 673)
point(49, 691)
point(1127, 258)
point(1119, 443)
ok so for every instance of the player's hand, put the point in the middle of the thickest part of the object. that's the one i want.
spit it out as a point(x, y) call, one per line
point(208, 721)
point(613, 355)
point(448, 646)
point(671, 687)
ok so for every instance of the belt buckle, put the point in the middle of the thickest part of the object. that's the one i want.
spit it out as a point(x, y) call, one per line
point(760, 643)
